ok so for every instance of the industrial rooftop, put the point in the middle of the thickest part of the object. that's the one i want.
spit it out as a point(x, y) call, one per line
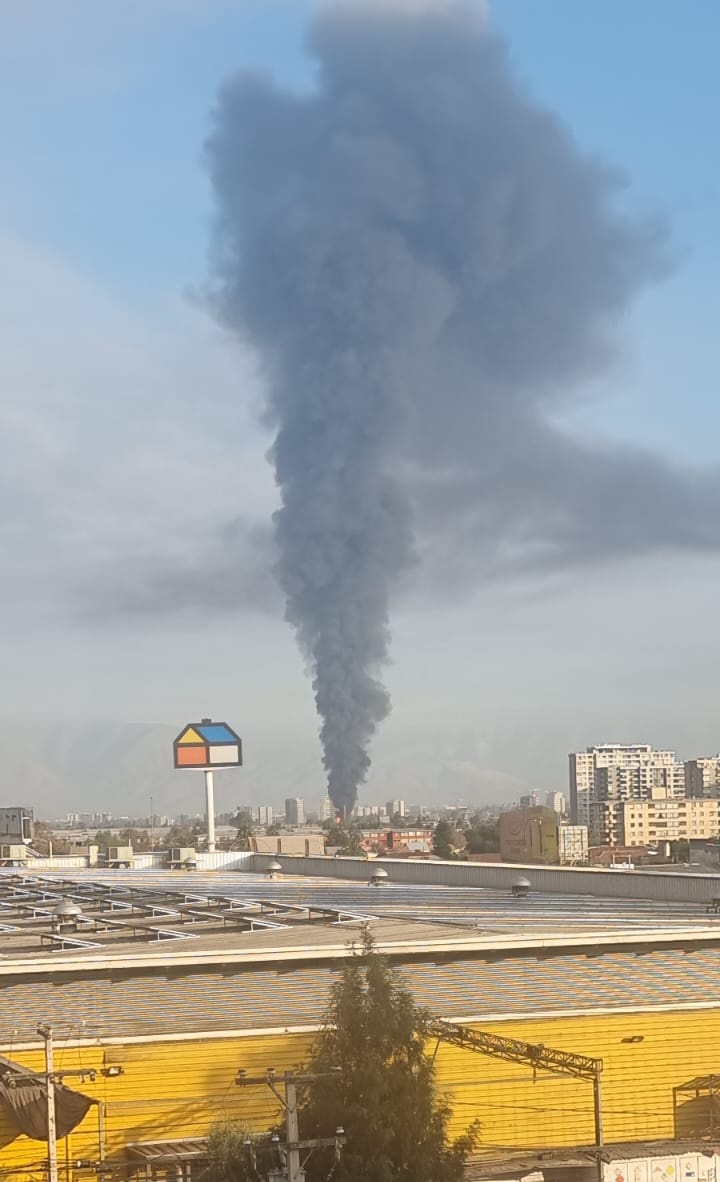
point(153, 953)
point(179, 916)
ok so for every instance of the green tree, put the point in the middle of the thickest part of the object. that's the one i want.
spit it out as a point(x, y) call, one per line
point(680, 850)
point(134, 837)
point(45, 838)
point(242, 822)
point(235, 1155)
point(334, 833)
point(483, 837)
point(384, 1096)
point(345, 838)
point(442, 840)
point(242, 839)
point(179, 837)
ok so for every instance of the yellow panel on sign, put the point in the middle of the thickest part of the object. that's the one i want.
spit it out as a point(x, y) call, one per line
point(190, 736)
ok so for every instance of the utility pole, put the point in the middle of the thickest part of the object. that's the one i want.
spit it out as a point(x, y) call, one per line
point(598, 1114)
point(46, 1034)
point(288, 1099)
point(295, 1174)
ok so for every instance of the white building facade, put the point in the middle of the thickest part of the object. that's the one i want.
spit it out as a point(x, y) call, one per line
point(617, 772)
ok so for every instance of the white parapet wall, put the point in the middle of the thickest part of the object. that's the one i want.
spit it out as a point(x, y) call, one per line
point(157, 860)
point(565, 880)
point(56, 862)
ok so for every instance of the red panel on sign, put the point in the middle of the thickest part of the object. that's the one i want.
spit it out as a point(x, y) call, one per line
point(191, 756)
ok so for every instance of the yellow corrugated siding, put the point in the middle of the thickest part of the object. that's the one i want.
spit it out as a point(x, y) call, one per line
point(178, 1089)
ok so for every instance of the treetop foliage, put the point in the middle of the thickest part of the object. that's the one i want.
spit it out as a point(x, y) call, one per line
point(384, 1097)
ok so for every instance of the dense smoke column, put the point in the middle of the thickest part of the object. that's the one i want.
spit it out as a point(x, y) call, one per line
point(425, 262)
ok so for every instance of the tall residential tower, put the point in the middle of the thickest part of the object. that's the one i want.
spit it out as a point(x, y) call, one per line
point(618, 772)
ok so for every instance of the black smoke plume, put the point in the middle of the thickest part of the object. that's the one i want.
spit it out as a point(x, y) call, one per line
point(429, 268)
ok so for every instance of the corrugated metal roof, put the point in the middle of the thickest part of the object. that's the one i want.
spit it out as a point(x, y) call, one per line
point(118, 1004)
point(137, 918)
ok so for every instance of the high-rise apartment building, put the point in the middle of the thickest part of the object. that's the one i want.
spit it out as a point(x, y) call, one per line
point(396, 808)
point(639, 781)
point(702, 776)
point(295, 810)
point(616, 771)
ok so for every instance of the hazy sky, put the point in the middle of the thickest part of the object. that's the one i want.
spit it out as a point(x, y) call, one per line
point(134, 468)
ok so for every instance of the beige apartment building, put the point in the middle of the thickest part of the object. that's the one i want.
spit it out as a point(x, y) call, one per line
point(648, 822)
point(616, 772)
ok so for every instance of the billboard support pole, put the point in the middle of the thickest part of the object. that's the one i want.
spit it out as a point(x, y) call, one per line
point(210, 810)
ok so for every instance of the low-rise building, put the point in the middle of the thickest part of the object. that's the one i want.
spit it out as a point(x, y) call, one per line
point(529, 835)
point(312, 845)
point(414, 841)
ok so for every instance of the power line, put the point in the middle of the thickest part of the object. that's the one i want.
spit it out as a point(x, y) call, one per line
point(291, 1151)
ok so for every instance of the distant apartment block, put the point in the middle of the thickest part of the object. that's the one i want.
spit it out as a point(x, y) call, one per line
point(702, 776)
point(294, 810)
point(557, 801)
point(262, 814)
point(327, 812)
point(617, 772)
point(395, 808)
point(16, 824)
point(530, 801)
point(650, 822)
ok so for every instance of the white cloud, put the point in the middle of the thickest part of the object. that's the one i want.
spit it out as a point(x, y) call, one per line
point(128, 444)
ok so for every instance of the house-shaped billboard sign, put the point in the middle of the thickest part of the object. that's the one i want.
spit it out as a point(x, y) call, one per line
point(208, 745)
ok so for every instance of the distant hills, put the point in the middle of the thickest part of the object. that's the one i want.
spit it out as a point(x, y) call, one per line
point(108, 766)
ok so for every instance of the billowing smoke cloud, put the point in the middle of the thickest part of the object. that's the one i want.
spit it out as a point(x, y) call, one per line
point(429, 267)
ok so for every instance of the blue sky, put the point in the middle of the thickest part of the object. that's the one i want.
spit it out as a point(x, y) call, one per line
point(105, 211)
point(105, 116)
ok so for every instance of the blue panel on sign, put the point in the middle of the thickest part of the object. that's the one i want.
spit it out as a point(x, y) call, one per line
point(217, 734)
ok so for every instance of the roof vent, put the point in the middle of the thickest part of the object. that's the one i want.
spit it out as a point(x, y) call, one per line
point(66, 915)
point(521, 886)
point(378, 877)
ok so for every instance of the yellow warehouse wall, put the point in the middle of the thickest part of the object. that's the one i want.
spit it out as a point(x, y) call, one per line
point(179, 1089)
